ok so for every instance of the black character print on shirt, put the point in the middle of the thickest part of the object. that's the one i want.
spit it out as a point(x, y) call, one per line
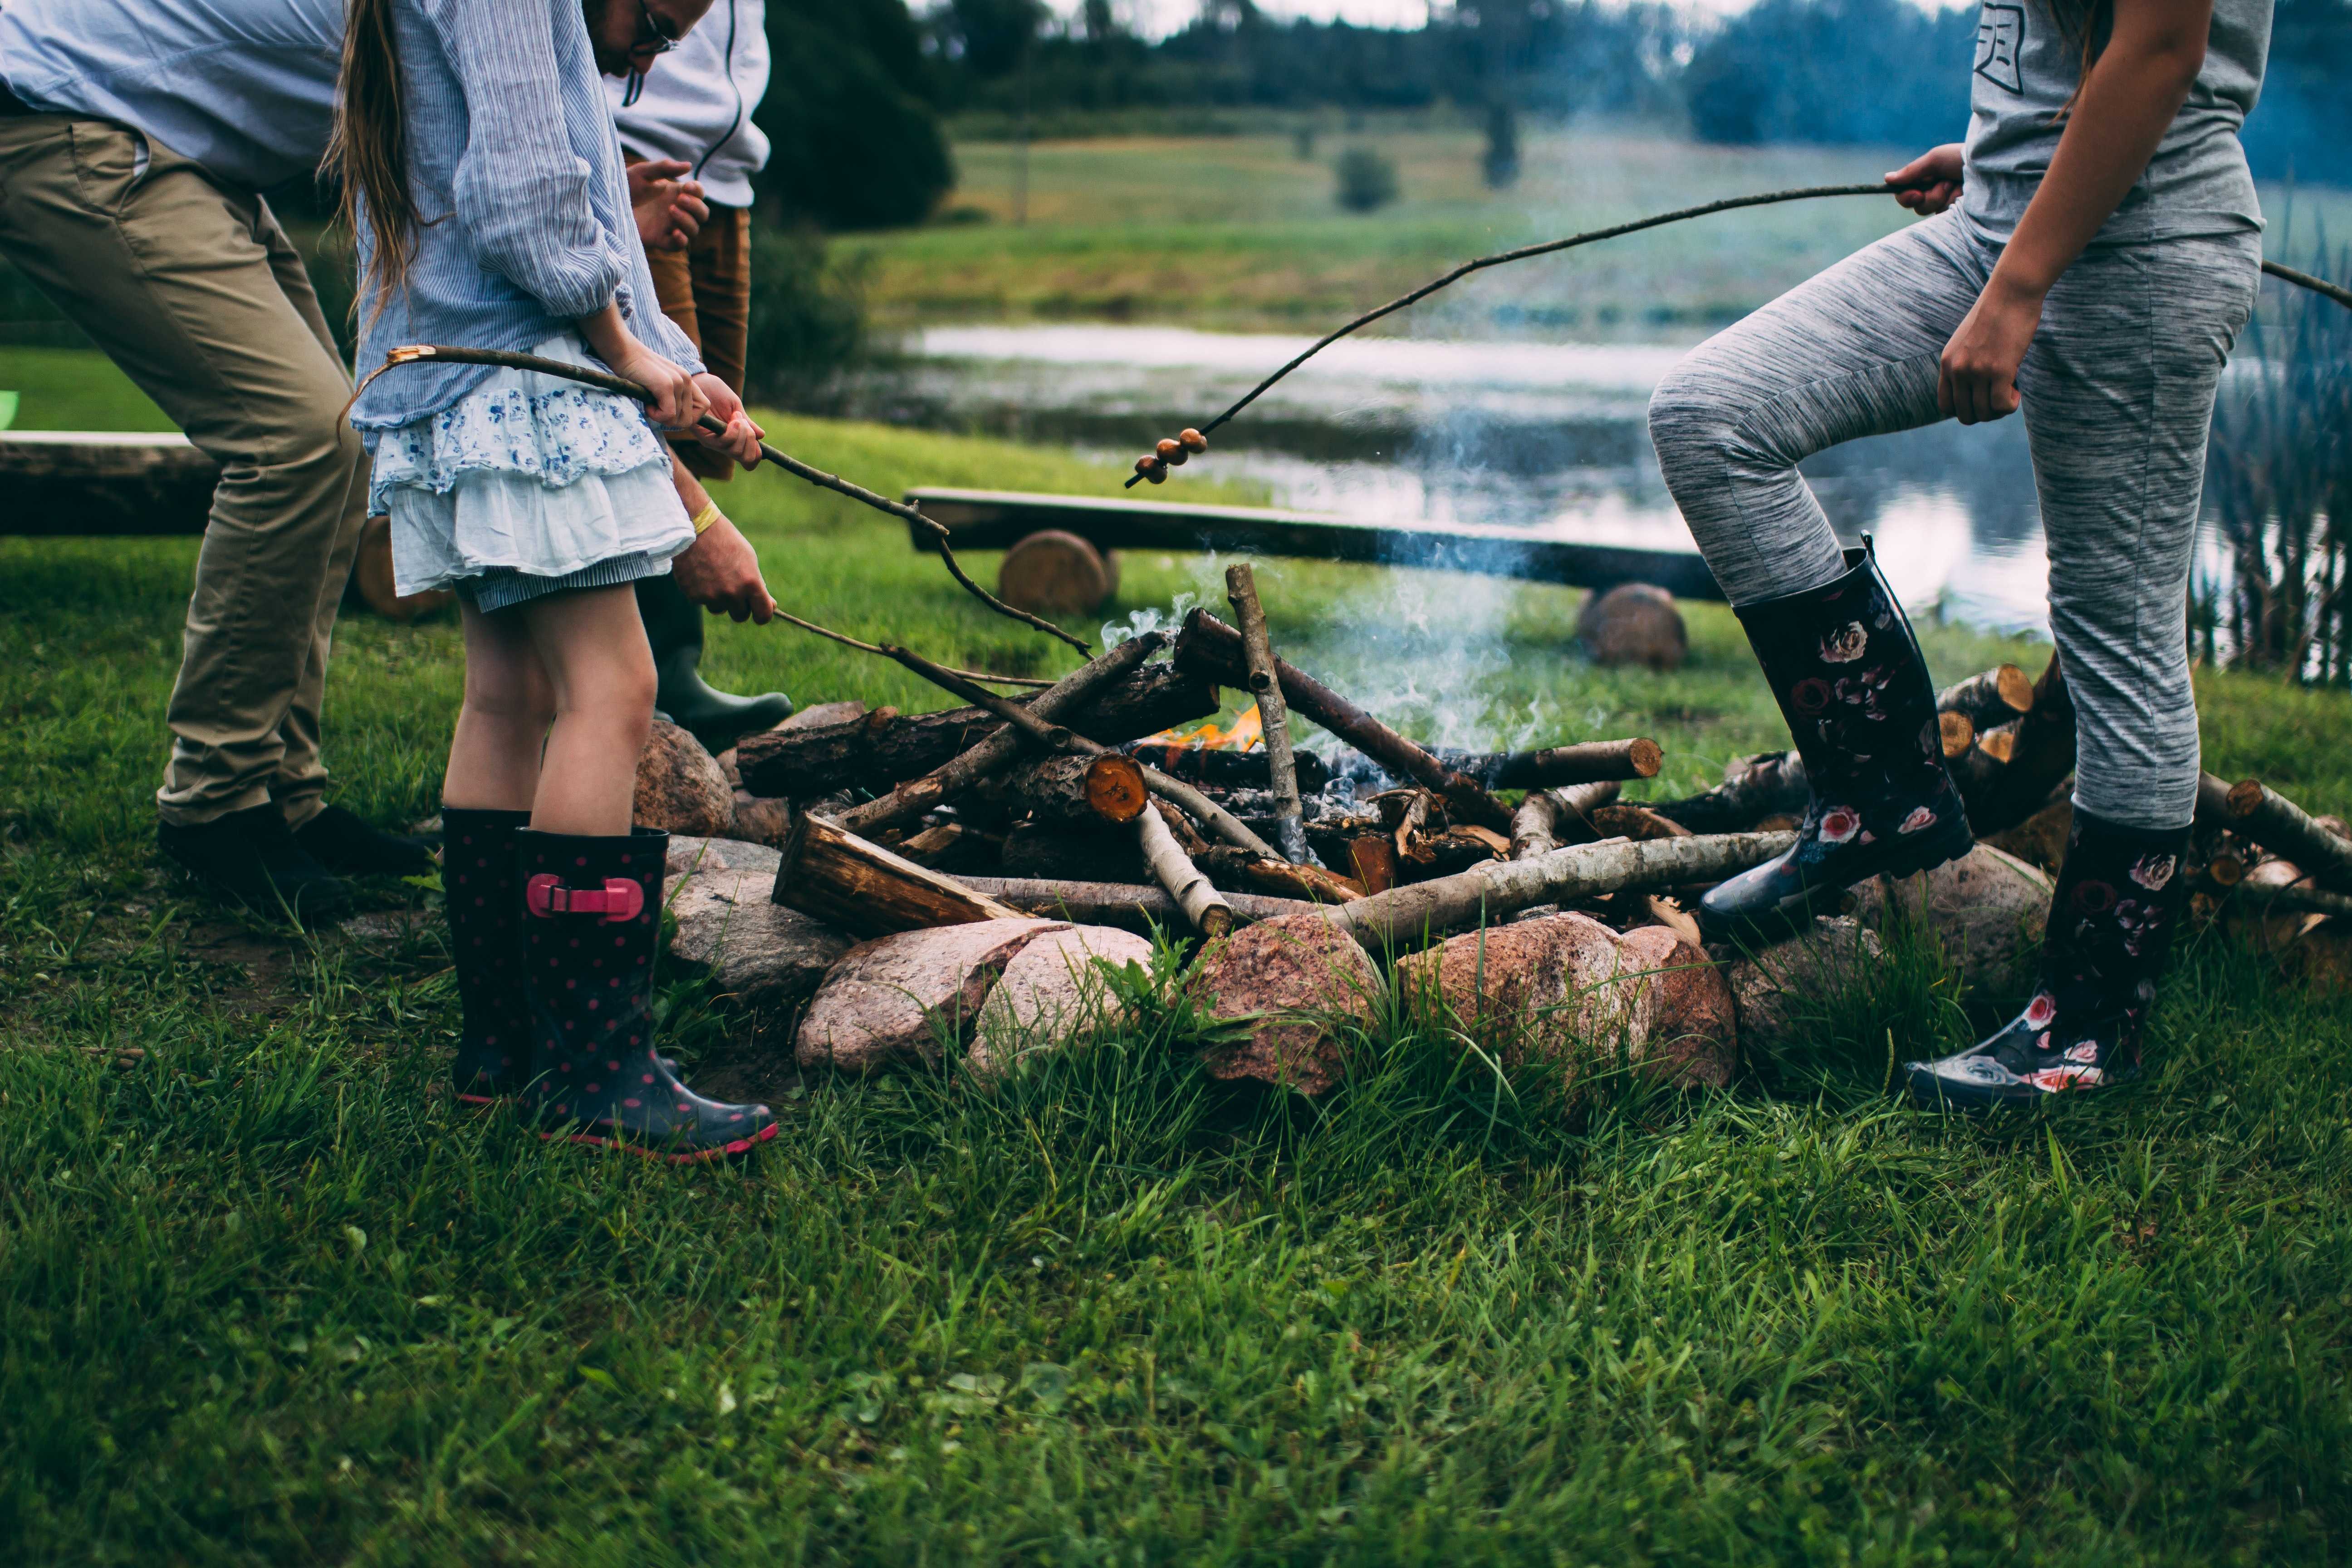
point(2001, 34)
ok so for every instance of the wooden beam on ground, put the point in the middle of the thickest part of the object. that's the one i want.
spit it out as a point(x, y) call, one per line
point(68, 483)
point(997, 519)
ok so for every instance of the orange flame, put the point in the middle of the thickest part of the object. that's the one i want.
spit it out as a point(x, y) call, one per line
point(1248, 731)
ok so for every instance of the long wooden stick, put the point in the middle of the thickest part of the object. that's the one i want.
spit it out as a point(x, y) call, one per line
point(994, 754)
point(416, 354)
point(1127, 905)
point(1273, 713)
point(1536, 825)
point(1729, 204)
point(1500, 887)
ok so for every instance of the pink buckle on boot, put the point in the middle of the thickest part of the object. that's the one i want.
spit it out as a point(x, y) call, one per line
point(618, 900)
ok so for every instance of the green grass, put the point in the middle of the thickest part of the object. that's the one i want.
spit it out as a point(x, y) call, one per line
point(1239, 232)
point(264, 1299)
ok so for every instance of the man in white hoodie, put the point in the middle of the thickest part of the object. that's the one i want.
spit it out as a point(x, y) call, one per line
point(687, 124)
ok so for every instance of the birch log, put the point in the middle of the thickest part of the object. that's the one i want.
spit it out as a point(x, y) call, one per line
point(1273, 713)
point(1489, 892)
point(1204, 908)
point(1550, 817)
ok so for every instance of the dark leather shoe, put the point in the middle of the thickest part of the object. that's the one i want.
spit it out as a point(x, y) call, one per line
point(344, 842)
point(2111, 920)
point(250, 857)
point(1852, 683)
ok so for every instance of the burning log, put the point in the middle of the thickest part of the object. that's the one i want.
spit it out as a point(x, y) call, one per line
point(1548, 818)
point(1119, 698)
point(2280, 826)
point(1997, 697)
point(1274, 714)
point(1221, 768)
point(837, 877)
point(1204, 908)
point(1128, 906)
point(1502, 887)
point(1213, 651)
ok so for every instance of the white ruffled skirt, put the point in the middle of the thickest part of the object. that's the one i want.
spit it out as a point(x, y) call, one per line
point(528, 486)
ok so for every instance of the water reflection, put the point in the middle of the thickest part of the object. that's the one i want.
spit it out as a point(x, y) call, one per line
point(1546, 437)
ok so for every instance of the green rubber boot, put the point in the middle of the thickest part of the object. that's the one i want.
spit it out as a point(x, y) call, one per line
point(674, 628)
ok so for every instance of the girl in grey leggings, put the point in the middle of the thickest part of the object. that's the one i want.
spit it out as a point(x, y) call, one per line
point(2092, 253)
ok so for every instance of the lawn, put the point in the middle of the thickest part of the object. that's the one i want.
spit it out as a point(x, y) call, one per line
point(1241, 232)
point(264, 1298)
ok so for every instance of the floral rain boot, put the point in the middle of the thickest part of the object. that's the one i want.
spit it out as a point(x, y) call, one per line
point(479, 893)
point(2111, 917)
point(593, 916)
point(1849, 679)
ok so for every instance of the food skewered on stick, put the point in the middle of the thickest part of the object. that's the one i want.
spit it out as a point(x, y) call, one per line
point(1170, 453)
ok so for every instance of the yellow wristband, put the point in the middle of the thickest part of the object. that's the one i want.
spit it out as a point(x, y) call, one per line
point(703, 520)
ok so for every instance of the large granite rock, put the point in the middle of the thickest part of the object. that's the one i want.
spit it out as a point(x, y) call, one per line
point(899, 998)
point(1986, 909)
point(1568, 993)
point(1052, 992)
point(680, 786)
point(759, 953)
point(1299, 982)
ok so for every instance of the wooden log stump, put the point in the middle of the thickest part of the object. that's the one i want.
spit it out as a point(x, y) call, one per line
point(839, 877)
point(371, 574)
point(1634, 623)
point(1054, 573)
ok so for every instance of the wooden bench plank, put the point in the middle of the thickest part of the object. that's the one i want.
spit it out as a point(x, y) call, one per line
point(78, 482)
point(996, 520)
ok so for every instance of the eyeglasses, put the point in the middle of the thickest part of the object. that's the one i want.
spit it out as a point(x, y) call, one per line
point(653, 40)
point(653, 36)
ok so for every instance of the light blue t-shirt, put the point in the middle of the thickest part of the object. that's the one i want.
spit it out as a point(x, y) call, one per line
point(2026, 70)
point(245, 87)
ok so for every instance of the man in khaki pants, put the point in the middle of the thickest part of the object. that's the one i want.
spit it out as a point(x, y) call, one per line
point(134, 135)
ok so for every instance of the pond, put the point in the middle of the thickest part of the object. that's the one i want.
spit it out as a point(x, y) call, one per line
point(1547, 437)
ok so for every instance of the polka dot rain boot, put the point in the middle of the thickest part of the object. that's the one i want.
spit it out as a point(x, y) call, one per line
point(2112, 914)
point(594, 915)
point(1852, 683)
point(484, 903)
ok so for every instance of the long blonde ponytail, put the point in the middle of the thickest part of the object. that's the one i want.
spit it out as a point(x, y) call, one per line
point(369, 150)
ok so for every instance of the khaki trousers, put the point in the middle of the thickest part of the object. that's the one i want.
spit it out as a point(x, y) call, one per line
point(706, 290)
point(197, 293)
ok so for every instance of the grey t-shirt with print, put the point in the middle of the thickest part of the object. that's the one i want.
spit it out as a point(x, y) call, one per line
point(2198, 182)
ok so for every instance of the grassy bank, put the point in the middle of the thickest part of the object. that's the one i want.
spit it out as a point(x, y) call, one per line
point(1241, 232)
point(264, 1298)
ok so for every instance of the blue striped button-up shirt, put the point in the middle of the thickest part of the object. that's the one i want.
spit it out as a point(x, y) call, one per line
point(512, 145)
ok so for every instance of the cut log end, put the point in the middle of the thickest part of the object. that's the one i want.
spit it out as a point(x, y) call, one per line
point(2015, 686)
point(1646, 757)
point(2245, 798)
point(1115, 788)
point(1054, 572)
point(1959, 733)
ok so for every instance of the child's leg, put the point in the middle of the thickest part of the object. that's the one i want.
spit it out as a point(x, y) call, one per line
point(494, 755)
point(594, 648)
point(2118, 393)
point(1851, 352)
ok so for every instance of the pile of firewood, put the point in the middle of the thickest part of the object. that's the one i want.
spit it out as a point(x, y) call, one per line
point(1077, 803)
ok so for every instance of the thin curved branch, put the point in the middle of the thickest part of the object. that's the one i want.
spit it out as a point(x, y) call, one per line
point(414, 353)
point(1729, 204)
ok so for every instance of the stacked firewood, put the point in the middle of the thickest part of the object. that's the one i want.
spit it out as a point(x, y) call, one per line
point(1079, 801)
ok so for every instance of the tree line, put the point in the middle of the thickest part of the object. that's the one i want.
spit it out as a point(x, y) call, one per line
point(863, 86)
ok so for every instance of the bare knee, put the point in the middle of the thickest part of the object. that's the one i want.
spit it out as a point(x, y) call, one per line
point(514, 693)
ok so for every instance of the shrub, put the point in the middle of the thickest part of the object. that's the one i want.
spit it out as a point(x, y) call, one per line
point(1366, 180)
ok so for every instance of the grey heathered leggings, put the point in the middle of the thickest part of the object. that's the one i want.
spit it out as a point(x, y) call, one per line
point(2118, 394)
